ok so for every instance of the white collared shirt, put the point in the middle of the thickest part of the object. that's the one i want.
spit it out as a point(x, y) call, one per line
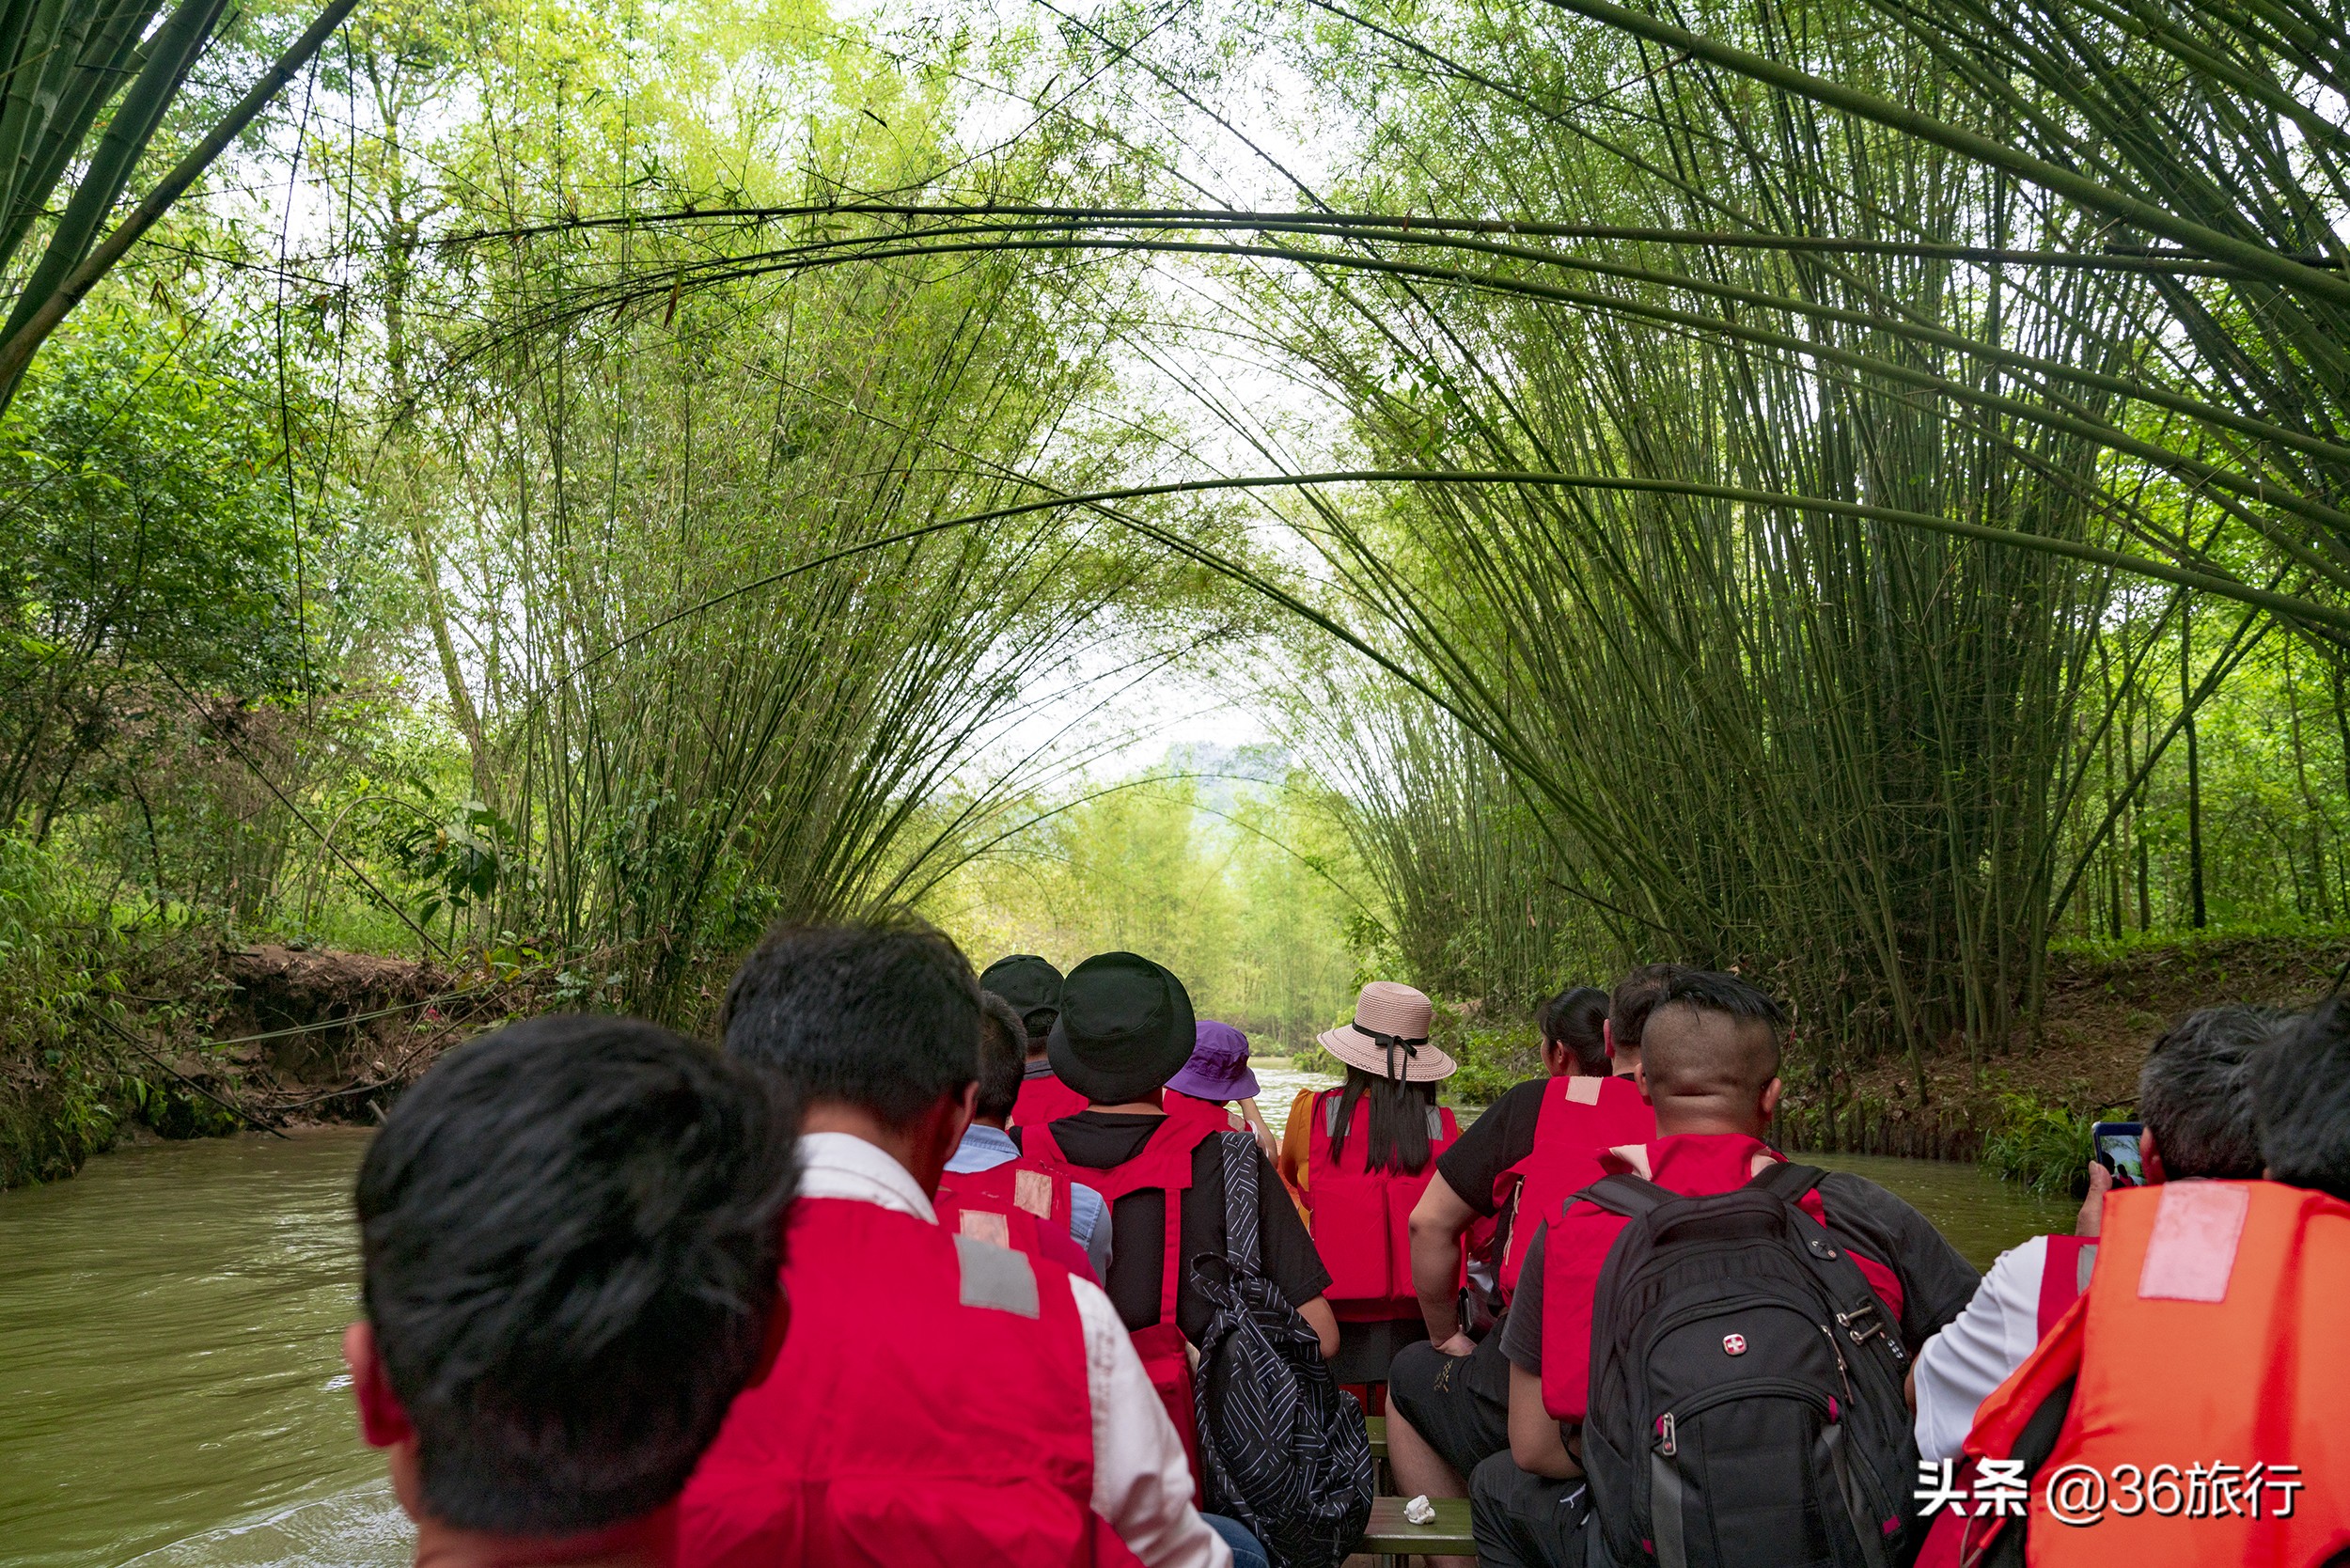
point(1142, 1479)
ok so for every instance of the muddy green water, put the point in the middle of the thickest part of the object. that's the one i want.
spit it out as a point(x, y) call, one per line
point(171, 1391)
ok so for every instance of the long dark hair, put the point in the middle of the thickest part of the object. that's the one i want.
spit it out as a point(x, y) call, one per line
point(1576, 1018)
point(1399, 1115)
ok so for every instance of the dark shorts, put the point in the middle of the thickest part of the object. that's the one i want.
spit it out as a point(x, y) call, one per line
point(1366, 1350)
point(1460, 1403)
point(1526, 1521)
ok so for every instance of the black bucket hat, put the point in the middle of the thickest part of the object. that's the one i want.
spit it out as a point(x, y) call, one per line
point(1125, 1028)
point(1030, 984)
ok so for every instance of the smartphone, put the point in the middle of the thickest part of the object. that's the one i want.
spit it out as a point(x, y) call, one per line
point(2115, 1145)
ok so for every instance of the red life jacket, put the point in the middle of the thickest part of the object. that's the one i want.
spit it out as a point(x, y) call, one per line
point(1003, 1203)
point(2063, 1277)
point(1190, 1109)
point(2210, 1336)
point(1582, 1118)
point(1045, 1098)
point(928, 1407)
point(1165, 1162)
point(1361, 1219)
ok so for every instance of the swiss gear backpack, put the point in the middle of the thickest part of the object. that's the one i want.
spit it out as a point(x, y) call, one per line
point(1282, 1448)
point(1746, 1405)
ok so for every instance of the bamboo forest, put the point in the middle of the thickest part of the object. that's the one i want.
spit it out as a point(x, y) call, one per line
point(507, 499)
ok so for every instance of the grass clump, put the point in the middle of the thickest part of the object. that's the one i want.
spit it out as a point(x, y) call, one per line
point(2045, 1147)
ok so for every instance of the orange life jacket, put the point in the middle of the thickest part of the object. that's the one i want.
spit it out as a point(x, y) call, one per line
point(2212, 1334)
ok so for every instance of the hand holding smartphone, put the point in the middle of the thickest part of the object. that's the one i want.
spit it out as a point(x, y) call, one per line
point(2114, 1145)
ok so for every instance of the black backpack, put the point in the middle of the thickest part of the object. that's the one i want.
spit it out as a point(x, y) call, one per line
point(1282, 1449)
point(1745, 1404)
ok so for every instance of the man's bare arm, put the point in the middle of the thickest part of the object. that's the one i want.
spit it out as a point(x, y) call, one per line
point(1535, 1444)
point(1439, 1220)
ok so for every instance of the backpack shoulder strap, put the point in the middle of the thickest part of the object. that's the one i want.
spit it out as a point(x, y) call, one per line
point(1633, 1196)
point(1242, 1244)
point(1787, 1181)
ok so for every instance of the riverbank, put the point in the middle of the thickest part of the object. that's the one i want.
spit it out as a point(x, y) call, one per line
point(177, 1034)
point(2025, 1106)
point(184, 1036)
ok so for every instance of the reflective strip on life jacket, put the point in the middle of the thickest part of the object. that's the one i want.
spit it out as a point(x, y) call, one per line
point(2212, 1334)
point(1002, 1204)
point(1582, 1118)
point(1361, 1219)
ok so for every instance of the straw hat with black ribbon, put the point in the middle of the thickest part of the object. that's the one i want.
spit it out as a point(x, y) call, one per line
point(1390, 1036)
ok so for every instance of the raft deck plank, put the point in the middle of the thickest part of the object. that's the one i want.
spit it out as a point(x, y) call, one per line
point(1391, 1535)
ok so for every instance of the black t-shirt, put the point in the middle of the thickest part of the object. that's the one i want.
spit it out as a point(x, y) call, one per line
point(1496, 1140)
point(1936, 1282)
point(1138, 1222)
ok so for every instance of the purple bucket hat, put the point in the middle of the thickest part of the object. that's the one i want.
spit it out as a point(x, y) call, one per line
point(1218, 1068)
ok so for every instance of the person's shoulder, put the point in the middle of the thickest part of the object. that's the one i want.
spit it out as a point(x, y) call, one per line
point(1524, 1096)
point(2017, 1273)
point(1850, 1196)
point(1521, 1105)
point(1207, 1155)
point(1877, 1213)
point(1912, 1245)
point(1583, 1226)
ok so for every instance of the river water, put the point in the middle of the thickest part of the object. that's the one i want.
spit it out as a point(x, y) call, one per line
point(171, 1388)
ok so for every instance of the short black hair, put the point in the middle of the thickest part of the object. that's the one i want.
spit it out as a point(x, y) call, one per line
point(2195, 1092)
point(1746, 1060)
point(1574, 1018)
point(1003, 1056)
point(570, 1232)
point(2301, 1100)
point(881, 1013)
point(1636, 997)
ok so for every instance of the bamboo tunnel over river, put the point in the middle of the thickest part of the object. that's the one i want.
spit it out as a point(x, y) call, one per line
point(501, 505)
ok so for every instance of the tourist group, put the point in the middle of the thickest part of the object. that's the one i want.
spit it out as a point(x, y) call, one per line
point(930, 1266)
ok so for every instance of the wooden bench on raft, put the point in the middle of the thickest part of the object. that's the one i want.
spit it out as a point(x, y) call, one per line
point(1391, 1537)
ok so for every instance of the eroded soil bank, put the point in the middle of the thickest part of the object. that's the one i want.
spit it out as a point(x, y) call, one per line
point(202, 1039)
point(192, 1038)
